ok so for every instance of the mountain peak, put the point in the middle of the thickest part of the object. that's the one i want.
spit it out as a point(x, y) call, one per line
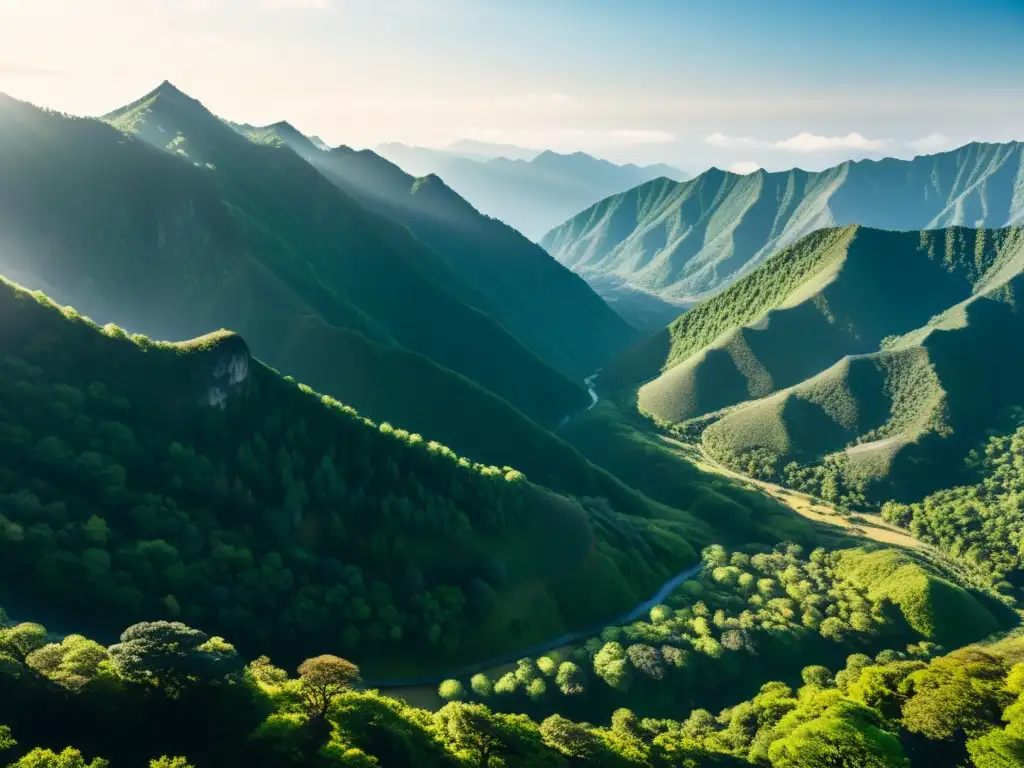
point(168, 90)
point(285, 129)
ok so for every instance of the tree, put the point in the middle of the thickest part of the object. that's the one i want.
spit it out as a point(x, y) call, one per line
point(506, 684)
point(169, 762)
point(569, 678)
point(45, 758)
point(263, 671)
point(610, 664)
point(961, 693)
point(451, 690)
point(323, 679)
point(481, 684)
point(536, 688)
point(996, 749)
point(573, 740)
point(20, 640)
point(171, 654)
point(6, 739)
point(481, 734)
point(817, 675)
point(547, 666)
point(845, 736)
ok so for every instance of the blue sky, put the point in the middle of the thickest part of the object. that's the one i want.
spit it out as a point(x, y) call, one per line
point(775, 83)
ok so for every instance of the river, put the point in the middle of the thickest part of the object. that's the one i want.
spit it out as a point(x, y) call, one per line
point(555, 642)
point(591, 381)
point(434, 678)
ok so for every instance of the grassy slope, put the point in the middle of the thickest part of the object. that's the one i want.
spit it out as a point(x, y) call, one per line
point(642, 460)
point(904, 416)
point(794, 317)
point(557, 546)
point(940, 610)
point(685, 240)
point(553, 311)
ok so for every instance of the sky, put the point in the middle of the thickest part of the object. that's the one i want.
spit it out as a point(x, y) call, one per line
point(737, 84)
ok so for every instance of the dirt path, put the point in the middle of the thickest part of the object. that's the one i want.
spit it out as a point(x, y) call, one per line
point(865, 525)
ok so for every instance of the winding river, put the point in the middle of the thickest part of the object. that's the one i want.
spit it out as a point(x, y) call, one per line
point(569, 637)
point(591, 381)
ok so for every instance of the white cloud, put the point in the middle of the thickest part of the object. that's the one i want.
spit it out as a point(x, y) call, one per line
point(743, 167)
point(570, 139)
point(805, 143)
point(721, 140)
point(933, 142)
point(633, 136)
point(811, 143)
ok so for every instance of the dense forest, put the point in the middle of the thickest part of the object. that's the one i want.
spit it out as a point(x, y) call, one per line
point(983, 523)
point(745, 619)
point(190, 481)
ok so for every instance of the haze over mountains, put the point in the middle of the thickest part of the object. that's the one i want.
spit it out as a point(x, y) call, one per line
point(685, 241)
point(530, 193)
point(399, 430)
point(214, 230)
point(545, 305)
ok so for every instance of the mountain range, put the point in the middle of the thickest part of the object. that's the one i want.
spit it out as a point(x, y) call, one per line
point(420, 161)
point(687, 240)
point(166, 221)
point(399, 431)
point(551, 309)
point(531, 194)
point(872, 359)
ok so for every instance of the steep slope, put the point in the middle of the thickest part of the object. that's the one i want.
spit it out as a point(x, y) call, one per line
point(153, 242)
point(549, 308)
point(883, 355)
point(530, 194)
point(148, 480)
point(686, 240)
point(370, 261)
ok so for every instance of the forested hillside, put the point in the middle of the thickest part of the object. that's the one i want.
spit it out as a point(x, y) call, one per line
point(255, 240)
point(190, 481)
point(690, 239)
point(549, 308)
point(856, 363)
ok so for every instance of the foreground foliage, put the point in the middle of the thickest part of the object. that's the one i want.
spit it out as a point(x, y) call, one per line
point(152, 699)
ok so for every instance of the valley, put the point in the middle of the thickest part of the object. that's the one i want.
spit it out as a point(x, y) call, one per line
point(867, 526)
point(508, 443)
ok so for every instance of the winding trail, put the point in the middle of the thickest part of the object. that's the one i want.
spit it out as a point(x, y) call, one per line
point(865, 525)
point(555, 642)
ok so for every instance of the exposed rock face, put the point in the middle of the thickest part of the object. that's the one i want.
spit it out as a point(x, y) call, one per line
point(224, 370)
